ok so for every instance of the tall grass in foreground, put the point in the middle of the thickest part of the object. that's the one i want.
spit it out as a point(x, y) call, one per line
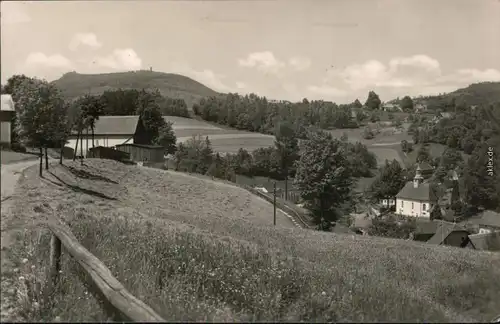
point(198, 277)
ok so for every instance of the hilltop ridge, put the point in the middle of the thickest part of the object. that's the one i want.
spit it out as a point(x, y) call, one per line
point(172, 85)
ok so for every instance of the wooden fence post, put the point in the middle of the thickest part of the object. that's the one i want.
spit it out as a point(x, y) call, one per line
point(55, 259)
point(274, 203)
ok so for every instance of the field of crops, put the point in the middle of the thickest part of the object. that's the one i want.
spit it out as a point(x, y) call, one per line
point(219, 259)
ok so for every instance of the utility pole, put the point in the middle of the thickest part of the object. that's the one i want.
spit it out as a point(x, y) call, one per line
point(274, 203)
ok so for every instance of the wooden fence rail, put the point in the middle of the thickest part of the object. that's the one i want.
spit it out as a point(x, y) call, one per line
point(118, 301)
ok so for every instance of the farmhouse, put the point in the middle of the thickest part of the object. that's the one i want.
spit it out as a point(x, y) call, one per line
point(109, 131)
point(414, 200)
point(6, 113)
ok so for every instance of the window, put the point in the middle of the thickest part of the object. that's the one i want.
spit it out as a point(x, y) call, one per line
point(412, 205)
point(402, 204)
point(424, 207)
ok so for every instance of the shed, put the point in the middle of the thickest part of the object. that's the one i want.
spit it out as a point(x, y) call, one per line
point(101, 152)
point(144, 153)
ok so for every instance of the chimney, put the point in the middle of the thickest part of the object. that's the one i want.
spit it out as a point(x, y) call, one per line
point(150, 69)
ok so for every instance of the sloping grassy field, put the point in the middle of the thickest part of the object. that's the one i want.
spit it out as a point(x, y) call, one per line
point(224, 140)
point(195, 250)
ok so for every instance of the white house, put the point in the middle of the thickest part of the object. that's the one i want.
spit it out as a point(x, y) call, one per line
point(414, 200)
point(109, 131)
point(6, 113)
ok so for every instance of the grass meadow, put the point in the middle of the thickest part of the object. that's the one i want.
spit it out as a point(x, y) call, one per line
point(197, 250)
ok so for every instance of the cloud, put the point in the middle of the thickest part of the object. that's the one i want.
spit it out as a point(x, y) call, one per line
point(299, 63)
point(263, 61)
point(86, 39)
point(268, 63)
point(417, 74)
point(210, 79)
point(121, 59)
point(241, 85)
point(39, 59)
point(13, 13)
point(327, 91)
point(207, 77)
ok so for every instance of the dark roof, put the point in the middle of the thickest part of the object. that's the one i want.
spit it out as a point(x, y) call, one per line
point(487, 241)
point(153, 147)
point(443, 231)
point(422, 192)
point(486, 218)
point(115, 125)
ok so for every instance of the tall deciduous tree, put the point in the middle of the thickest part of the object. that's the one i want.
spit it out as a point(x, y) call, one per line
point(92, 107)
point(41, 111)
point(323, 176)
point(407, 103)
point(390, 181)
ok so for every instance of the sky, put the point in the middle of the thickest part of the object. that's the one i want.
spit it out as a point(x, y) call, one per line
point(334, 50)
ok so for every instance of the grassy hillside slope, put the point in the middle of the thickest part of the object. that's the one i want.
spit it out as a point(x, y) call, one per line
point(196, 250)
point(172, 85)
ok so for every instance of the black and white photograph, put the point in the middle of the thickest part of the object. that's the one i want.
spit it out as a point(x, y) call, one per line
point(250, 161)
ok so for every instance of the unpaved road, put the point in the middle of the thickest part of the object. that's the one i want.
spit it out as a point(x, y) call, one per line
point(10, 174)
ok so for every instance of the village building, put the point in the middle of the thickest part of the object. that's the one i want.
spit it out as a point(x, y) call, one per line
point(7, 112)
point(416, 198)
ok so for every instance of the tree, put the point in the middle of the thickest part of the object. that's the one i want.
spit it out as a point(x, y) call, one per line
point(423, 154)
point(373, 101)
point(148, 109)
point(323, 177)
point(368, 133)
point(407, 103)
point(41, 112)
point(357, 104)
point(287, 146)
point(390, 181)
point(451, 159)
point(92, 107)
point(166, 138)
point(481, 185)
point(391, 227)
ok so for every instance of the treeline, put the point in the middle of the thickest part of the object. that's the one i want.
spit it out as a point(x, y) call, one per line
point(124, 103)
point(257, 114)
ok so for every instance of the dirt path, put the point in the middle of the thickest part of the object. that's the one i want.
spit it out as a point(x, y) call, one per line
point(10, 174)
